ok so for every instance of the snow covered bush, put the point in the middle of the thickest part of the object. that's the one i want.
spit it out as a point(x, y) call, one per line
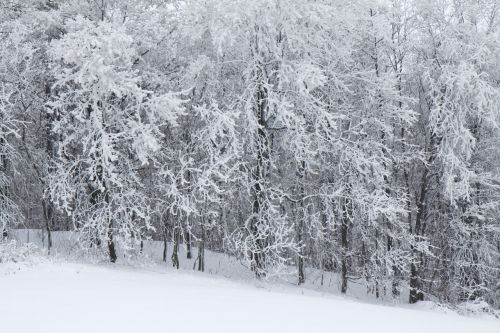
point(11, 251)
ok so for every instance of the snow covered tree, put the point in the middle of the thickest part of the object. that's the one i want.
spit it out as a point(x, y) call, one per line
point(458, 104)
point(109, 128)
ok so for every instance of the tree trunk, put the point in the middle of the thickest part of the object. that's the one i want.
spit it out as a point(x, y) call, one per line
point(175, 251)
point(343, 287)
point(201, 251)
point(415, 282)
point(300, 259)
point(165, 247)
point(416, 293)
point(188, 245)
point(395, 280)
point(47, 213)
point(165, 236)
point(259, 205)
point(301, 221)
point(344, 229)
point(302, 275)
point(3, 168)
point(111, 245)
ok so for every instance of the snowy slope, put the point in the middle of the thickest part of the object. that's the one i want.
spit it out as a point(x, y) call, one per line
point(69, 297)
point(64, 244)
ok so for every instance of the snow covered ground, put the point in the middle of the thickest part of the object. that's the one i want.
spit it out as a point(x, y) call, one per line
point(62, 293)
point(53, 296)
point(64, 244)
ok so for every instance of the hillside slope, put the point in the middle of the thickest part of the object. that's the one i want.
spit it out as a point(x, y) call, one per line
point(74, 297)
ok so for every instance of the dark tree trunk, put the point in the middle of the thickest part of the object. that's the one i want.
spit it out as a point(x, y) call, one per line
point(165, 247)
point(344, 230)
point(259, 172)
point(47, 213)
point(343, 287)
point(378, 264)
point(111, 245)
point(188, 245)
point(3, 190)
point(175, 251)
point(415, 282)
point(300, 225)
point(111, 242)
point(201, 251)
point(416, 293)
point(300, 259)
point(395, 280)
point(187, 234)
point(302, 275)
point(300, 239)
point(47, 205)
point(165, 236)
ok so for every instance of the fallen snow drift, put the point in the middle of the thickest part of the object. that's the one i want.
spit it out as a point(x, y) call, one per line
point(68, 297)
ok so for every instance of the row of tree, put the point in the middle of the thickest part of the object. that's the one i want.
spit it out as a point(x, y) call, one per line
point(359, 137)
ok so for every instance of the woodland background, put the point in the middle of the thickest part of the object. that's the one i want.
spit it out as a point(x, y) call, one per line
point(359, 137)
